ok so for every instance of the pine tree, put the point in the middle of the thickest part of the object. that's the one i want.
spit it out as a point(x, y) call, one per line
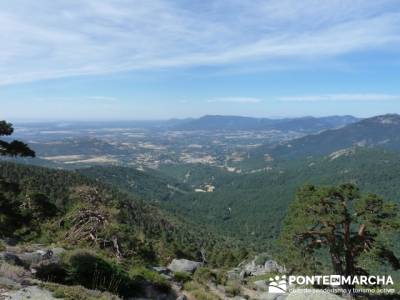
point(13, 148)
point(343, 223)
point(12, 216)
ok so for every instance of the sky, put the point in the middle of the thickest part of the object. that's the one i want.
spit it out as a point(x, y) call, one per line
point(156, 59)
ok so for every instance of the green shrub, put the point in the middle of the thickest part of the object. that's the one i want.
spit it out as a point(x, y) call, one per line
point(262, 258)
point(233, 289)
point(95, 272)
point(182, 276)
point(142, 273)
point(77, 292)
point(59, 293)
point(198, 291)
point(204, 275)
point(52, 272)
point(192, 285)
point(2, 246)
point(221, 277)
point(204, 295)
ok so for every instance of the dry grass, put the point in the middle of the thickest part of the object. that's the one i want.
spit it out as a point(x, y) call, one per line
point(14, 273)
point(77, 292)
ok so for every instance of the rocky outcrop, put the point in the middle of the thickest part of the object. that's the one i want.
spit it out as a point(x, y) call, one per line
point(32, 259)
point(261, 285)
point(31, 292)
point(258, 266)
point(255, 268)
point(184, 265)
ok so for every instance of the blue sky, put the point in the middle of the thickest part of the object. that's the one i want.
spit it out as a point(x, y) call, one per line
point(153, 59)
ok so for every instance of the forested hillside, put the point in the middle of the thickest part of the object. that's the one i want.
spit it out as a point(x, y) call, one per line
point(379, 131)
point(145, 233)
point(251, 207)
point(148, 184)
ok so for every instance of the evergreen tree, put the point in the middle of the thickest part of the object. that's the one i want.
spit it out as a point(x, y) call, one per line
point(13, 148)
point(12, 215)
point(341, 222)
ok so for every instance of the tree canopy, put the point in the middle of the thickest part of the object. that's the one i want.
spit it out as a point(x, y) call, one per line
point(342, 222)
point(13, 148)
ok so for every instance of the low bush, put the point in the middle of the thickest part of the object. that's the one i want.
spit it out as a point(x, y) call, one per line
point(52, 272)
point(199, 291)
point(89, 269)
point(204, 275)
point(142, 273)
point(2, 246)
point(204, 295)
point(233, 289)
point(15, 273)
point(77, 292)
point(182, 277)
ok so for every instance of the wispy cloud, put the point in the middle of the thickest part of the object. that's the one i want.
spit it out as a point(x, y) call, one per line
point(239, 100)
point(77, 99)
point(71, 38)
point(341, 97)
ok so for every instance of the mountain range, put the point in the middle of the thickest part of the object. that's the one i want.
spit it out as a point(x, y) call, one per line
point(305, 124)
point(380, 131)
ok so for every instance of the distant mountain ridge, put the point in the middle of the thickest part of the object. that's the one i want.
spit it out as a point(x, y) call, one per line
point(305, 124)
point(380, 131)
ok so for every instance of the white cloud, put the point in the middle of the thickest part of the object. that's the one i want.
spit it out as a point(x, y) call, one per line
point(239, 100)
point(341, 97)
point(70, 38)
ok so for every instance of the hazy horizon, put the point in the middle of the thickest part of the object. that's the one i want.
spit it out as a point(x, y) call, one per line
point(21, 121)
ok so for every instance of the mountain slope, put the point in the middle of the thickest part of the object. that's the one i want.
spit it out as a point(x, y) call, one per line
point(306, 124)
point(145, 233)
point(381, 131)
point(251, 207)
point(148, 184)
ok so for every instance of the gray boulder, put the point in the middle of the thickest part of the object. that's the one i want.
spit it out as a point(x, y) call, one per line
point(184, 265)
point(261, 285)
point(32, 293)
point(261, 267)
point(30, 258)
point(234, 274)
point(11, 259)
point(272, 266)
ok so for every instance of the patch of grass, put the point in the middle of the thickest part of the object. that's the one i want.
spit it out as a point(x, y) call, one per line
point(15, 273)
point(2, 246)
point(87, 268)
point(263, 277)
point(192, 285)
point(233, 289)
point(204, 295)
point(77, 292)
point(199, 291)
point(205, 275)
point(138, 273)
point(182, 277)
